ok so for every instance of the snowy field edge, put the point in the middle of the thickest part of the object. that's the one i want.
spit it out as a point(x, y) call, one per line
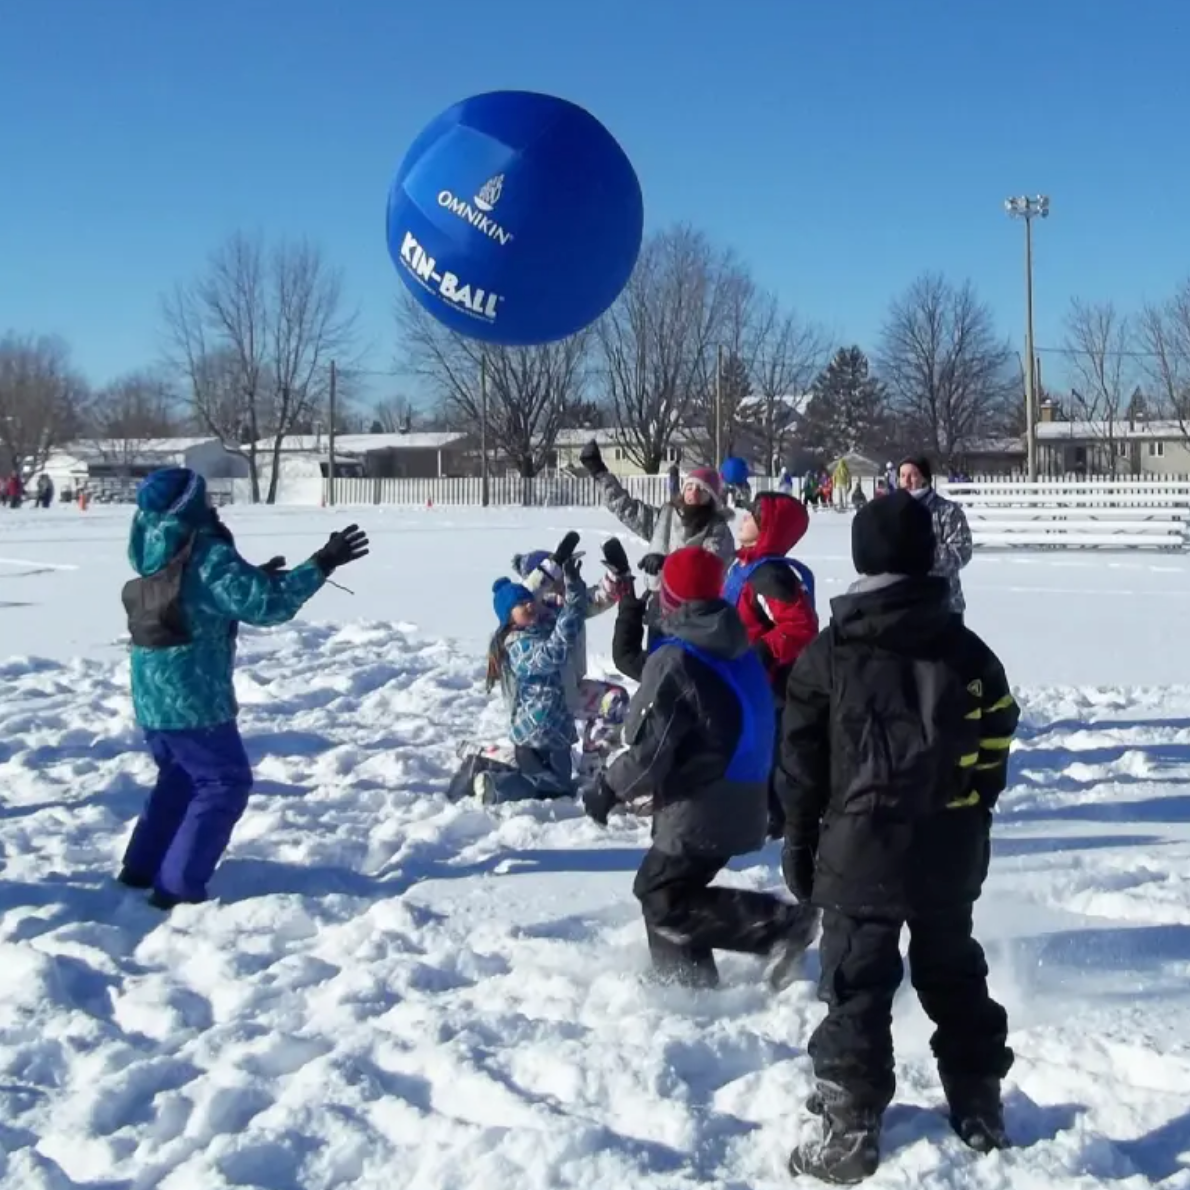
point(390, 989)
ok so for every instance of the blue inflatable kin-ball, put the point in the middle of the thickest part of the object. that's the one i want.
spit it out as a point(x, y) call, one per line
point(515, 218)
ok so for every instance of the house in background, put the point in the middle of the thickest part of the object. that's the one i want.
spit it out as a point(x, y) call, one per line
point(387, 456)
point(111, 468)
point(1129, 446)
point(616, 455)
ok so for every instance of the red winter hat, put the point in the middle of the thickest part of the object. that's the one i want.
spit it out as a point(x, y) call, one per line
point(707, 479)
point(691, 573)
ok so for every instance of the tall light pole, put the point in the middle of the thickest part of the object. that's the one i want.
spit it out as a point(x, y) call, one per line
point(1023, 207)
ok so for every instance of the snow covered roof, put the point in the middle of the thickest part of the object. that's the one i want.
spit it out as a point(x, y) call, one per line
point(1120, 430)
point(606, 436)
point(127, 448)
point(362, 443)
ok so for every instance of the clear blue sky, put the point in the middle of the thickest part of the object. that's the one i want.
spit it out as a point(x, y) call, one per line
point(842, 147)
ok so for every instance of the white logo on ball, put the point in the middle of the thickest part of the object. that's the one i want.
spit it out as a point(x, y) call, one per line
point(479, 303)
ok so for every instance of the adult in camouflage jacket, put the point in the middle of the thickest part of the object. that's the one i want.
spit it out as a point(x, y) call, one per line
point(952, 534)
point(695, 517)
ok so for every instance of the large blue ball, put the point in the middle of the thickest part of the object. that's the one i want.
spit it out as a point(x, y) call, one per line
point(515, 218)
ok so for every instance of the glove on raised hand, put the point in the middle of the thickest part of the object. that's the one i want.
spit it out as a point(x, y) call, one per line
point(615, 558)
point(565, 547)
point(651, 564)
point(591, 458)
point(347, 545)
point(274, 565)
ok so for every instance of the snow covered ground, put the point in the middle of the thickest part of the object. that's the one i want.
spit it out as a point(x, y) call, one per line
point(394, 992)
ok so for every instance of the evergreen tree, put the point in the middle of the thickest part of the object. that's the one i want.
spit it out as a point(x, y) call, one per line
point(848, 408)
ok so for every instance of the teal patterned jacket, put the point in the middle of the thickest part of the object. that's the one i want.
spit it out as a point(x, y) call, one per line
point(190, 686)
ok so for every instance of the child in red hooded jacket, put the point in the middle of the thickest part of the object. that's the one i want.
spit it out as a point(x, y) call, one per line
point(774, 595)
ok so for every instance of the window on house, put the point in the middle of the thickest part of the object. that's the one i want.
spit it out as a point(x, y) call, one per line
point(618, 454)
point(1156, 450)
point(1122, 450)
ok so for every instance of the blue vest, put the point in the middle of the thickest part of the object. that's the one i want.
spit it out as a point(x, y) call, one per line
point(739, 574)
point(752, 760)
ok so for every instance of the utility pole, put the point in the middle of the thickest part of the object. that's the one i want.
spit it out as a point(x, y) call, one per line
point(1028, 209)
point(330, 460)
point(719, 406)
point(483, 429)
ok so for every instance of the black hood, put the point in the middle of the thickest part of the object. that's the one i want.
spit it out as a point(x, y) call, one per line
point(895, 612)
point(710, 624)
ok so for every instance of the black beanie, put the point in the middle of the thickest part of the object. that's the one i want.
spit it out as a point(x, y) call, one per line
point(922, 464)
point(893, 535)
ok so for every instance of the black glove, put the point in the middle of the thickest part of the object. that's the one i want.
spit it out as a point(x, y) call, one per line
point(348, 545)
point(651, 564)
point(599, 801)
point(565, 548)
point(615, 559)
point(590, 458)
point(797, 866)
point(572, 569)
point(274, 565)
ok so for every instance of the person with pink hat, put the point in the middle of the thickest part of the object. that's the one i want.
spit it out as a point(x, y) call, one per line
point(696, 516)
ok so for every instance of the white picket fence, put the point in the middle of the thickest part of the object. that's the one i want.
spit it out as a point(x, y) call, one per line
point(1076, 514)
point(503, 491)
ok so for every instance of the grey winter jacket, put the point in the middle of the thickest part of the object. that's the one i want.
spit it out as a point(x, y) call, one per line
point(682, 729)
point(662, 527)
point(952, 544)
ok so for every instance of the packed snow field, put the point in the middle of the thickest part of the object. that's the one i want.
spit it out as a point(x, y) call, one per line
point(392, 991)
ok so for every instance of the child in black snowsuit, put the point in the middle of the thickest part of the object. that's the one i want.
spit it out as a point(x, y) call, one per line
point(894, 751)
point(700, 741)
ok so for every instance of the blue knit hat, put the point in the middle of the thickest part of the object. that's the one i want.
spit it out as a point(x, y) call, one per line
point(173, 491)
point(525, 564)
point(506, 595)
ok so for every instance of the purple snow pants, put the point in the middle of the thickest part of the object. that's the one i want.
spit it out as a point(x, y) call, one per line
point(203, 781)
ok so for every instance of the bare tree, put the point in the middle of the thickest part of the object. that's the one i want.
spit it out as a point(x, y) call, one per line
point(130, 412)
point(658, 341)
point(393, 415)
point(254, 337)
point(950, 379)
point(530, 390)
point(786, 354)
point(42, 401)
point(1164, 336)
point(1098, 346)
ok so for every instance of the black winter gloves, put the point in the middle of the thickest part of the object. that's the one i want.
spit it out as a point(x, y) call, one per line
point(615, 559)
point(590, 458)
point(651, 564)
point(565, 548)
point(348, 545)
point(274, 565)
point(797, 866)
point(599, 801)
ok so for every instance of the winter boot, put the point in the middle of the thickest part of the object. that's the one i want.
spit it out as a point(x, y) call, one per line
point(785, 960)
point(133, 880)
point(847, 1148)
point(977, 1113)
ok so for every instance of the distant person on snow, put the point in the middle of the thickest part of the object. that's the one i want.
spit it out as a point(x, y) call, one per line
point(530, 655)
point(894, 752)
point(695, 517)
point(952, 535)
point(774, 595)
point(183, 614)
point(699, 738)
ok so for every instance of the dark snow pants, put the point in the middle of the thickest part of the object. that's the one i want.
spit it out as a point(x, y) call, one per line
point(203, 782)
point(862, 971)
point(686, 920)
